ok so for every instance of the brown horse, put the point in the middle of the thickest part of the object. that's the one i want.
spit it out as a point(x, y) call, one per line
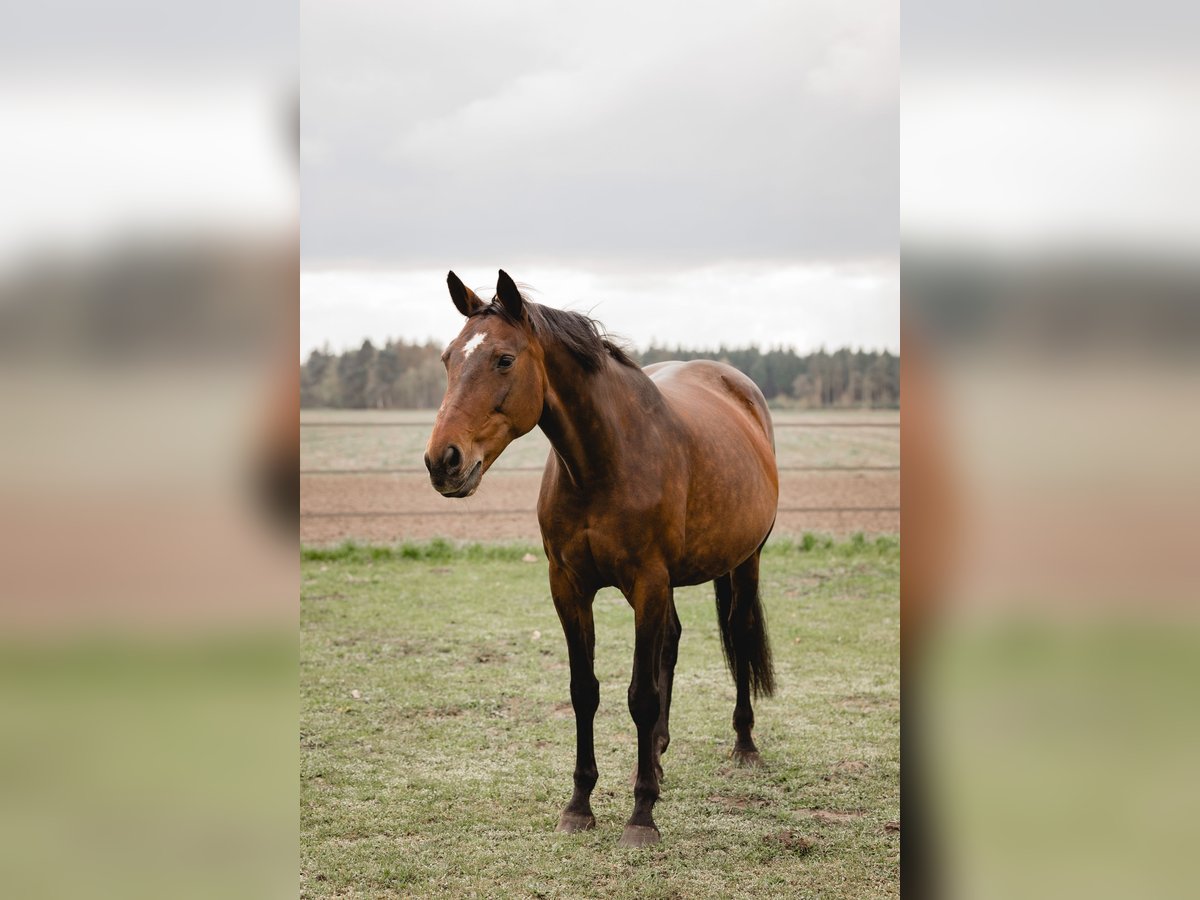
point(659, 477)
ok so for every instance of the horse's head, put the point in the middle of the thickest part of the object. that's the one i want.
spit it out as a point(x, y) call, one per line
point(495, 383)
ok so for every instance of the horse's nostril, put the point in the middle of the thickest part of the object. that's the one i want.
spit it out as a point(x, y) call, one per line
point(452, 457)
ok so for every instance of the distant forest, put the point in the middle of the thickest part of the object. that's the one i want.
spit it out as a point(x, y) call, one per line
point(400, 375)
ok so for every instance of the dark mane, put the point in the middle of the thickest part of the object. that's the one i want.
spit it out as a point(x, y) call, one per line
point(583, 337)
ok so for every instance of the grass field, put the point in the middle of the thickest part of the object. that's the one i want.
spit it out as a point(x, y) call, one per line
point(333, 448)
point(437, 738)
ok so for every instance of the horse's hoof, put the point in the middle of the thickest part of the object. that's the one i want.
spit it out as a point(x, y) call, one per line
point(639, 836)
point(748, 758)
point(571, 823)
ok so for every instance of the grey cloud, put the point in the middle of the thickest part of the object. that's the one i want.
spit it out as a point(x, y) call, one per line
point(679, 132)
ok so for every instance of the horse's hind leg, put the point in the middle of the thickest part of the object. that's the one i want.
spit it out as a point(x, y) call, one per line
point(744, 638)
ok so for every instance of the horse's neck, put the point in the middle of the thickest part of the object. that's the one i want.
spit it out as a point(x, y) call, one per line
point(587, 415)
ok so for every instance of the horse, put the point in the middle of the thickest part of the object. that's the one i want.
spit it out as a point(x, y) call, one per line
point(658, 478)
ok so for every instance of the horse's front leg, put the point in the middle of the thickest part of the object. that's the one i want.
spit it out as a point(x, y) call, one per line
point(575, 613)
point(652, 610)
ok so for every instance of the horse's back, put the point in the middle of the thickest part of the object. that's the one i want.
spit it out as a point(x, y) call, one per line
point(702, 384)
point(733, 486)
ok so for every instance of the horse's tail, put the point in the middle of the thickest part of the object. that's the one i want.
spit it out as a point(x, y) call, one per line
point(744, 635)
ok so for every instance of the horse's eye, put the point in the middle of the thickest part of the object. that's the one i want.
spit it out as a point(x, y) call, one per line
point(506, 361)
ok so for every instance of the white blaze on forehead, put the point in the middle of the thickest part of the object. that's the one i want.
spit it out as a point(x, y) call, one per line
point(473, 344)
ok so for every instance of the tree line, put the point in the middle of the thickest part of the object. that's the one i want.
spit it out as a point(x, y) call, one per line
point(403, 375)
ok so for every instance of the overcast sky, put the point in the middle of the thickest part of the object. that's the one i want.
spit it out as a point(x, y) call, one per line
point(690, 172)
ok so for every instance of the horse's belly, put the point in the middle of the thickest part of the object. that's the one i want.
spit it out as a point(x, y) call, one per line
point(733, 484)
point(707, 558)
point(725, 525)
point(703, 501)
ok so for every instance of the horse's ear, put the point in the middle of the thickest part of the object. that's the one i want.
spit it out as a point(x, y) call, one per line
point(464, 298)
point(510, 298)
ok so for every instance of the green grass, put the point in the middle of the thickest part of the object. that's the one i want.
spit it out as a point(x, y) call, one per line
point(442, 550)
point(436, 550)
point(147, 765)
point(1058, 754)
point(437, 739)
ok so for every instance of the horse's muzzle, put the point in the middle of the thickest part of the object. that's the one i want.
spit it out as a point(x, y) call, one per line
point(468, 485)
point(447, 476)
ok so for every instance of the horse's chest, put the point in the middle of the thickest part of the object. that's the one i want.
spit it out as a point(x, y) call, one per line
point(606, 548)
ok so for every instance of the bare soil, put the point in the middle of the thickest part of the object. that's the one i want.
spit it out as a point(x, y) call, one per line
point(503, 508)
